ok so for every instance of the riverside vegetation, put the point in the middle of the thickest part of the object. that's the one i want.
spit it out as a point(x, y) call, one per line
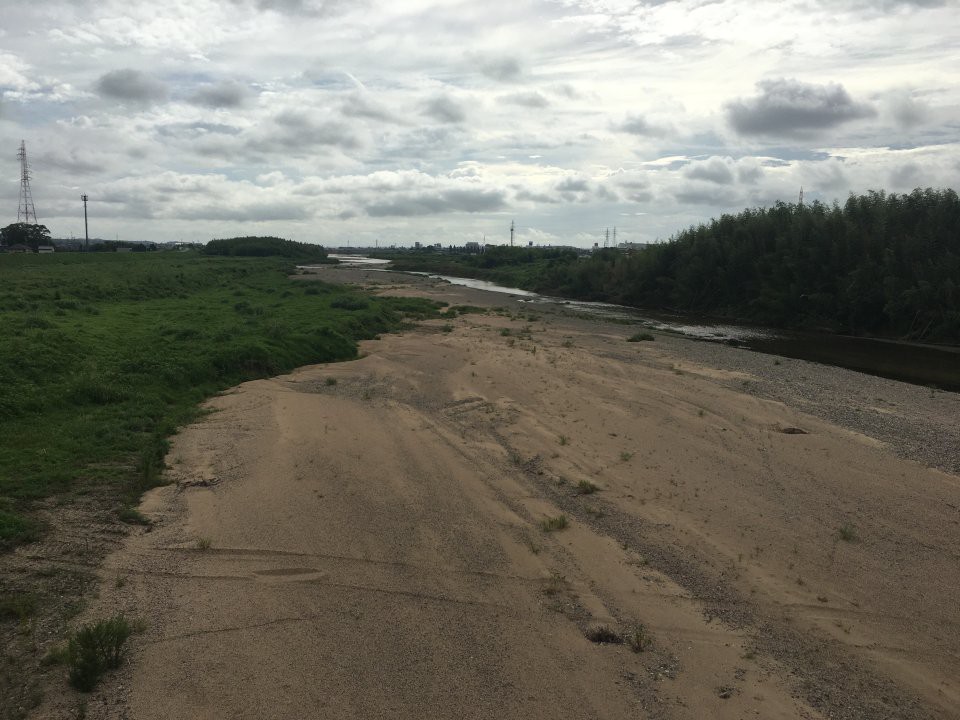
point(103, 356)
point(880, 265)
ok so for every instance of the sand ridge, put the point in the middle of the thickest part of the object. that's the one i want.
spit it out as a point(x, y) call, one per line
point(364, 540)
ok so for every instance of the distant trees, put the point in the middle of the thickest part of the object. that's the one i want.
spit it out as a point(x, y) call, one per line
point(252, 246)
point(25, 234)
point(883, 265)
point(879, 265)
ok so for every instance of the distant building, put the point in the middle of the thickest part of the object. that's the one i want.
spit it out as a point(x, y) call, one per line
point(45, 248)
point(472, 247)
point(18, 248)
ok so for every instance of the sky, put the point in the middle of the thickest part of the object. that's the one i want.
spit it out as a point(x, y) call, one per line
point(363, 122)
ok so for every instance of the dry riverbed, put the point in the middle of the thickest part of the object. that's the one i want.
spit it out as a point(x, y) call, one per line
point(747, 536)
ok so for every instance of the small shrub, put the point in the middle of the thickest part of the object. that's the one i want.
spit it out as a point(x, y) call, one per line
point(505, 332)
point(848, 533)
point(204, 543)
point(563, 439)
point(96, 648)
point(447, 328)
point(330, 381)
point(550, 524)
point(638, 639)
point(585, 487)
point(640, 336)
point(555, 584)
point(625, 456)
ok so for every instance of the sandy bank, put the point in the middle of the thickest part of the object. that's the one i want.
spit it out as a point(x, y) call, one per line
point(376, 548)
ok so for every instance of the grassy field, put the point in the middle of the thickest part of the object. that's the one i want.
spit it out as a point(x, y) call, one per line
point(102, 356)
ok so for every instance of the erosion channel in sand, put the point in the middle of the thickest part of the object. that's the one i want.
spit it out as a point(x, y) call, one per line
point(369, 539)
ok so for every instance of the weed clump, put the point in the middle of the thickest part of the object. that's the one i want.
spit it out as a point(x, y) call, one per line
point(585, 487)
point(96, 648)
point(638, 639)
point(640, 337)
point(550, 524)
point(848, 533)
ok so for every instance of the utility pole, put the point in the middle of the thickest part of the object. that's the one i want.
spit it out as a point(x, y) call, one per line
point(25, 209)
point(801, 195)
point(511, 233)
point(86, 229)
point(614, 235)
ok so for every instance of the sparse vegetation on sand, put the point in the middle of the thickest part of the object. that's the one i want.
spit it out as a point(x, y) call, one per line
point(640, 337)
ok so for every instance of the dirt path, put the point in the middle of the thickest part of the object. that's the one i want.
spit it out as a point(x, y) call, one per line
point(364, 540)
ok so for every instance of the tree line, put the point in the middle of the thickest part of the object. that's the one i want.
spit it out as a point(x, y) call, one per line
point(886, 265)
point(881, 264)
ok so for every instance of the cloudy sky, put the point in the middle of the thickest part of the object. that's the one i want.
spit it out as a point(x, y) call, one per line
point(350, 121)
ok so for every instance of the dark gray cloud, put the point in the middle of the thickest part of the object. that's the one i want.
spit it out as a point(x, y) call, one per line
point(360, 105)
point(573, 184)
point(715, 195)
point(131, 86)
point(445, 109)
point(531, 99)
point(468, 200)
point(792, 108)
point(502, 69)
point(221, 95)
point(73, 161)
point(297, 132)
point(530, 196)
point(906, 111)
point(639, 125)
point(907, 176)
point(250, 212)
point(715, 170)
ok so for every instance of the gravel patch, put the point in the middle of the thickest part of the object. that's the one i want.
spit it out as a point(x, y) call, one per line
point(916, 423)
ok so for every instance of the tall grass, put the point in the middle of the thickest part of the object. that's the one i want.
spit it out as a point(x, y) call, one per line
point(103, 356)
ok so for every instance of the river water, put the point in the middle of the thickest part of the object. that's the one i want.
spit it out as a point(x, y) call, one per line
point(931, 365)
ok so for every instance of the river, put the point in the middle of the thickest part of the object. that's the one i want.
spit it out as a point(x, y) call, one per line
point(929, 365)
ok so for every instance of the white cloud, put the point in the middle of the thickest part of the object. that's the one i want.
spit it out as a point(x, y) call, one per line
point(322, 119)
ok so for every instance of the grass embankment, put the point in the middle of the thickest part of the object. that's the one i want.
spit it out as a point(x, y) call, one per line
point(103, 356)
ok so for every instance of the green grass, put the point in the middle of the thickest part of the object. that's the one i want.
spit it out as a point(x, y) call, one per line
point(640, 337)
point(105, 355)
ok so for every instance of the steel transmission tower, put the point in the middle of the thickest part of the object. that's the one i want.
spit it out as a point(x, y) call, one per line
point(25, 209)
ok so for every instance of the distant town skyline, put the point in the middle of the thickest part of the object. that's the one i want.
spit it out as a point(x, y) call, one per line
point(444, 120)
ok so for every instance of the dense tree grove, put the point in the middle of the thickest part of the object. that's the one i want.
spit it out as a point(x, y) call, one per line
point(28, 234)
point(265, 247)
point(879, 265)
point(882, 265)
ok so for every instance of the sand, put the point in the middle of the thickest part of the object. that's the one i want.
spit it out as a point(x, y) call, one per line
point(365, 540)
